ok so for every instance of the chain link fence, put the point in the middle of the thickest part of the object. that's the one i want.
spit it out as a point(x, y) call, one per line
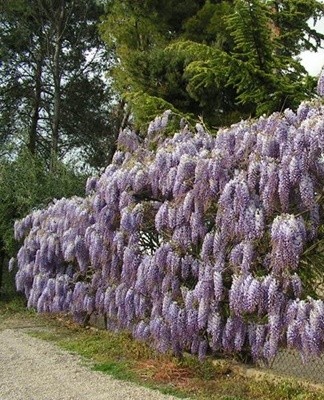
point(289, 363)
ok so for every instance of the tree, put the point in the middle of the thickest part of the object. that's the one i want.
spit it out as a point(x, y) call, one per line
point(222, 60)
point(261, 65)
point(264, 77)
point(53, 94)
point(55, 104)
point(294, 24)
point(146, 77)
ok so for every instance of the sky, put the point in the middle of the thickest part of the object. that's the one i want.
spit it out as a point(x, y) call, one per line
point(313, 62)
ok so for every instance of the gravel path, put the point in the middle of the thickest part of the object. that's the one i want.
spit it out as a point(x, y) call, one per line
point(32, 369)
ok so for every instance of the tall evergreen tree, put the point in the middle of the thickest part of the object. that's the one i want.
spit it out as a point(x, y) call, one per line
point(222, 60)
point(54, 105)
point(148, 79)
point(53, 95)
point(265, 77)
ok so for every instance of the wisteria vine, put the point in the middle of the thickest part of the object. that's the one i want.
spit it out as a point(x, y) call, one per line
point(192, 242)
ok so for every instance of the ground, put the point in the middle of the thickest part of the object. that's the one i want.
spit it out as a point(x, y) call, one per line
point(33, 369)
point(39, 361)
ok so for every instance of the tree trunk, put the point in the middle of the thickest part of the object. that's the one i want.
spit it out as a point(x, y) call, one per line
point(59, 28)
point(35, 116)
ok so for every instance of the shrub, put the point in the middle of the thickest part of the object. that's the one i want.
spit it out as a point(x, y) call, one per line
point(202, 244)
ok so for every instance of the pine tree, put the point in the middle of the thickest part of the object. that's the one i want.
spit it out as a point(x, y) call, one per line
point(224, 61)
point(262, 75)
point(149, 79)
point(52, 92)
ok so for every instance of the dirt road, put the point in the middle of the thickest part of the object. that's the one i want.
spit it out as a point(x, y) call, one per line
point(32, 369)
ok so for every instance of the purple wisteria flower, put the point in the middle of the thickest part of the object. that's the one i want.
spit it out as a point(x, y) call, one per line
point(320, 84)
point(194, 246)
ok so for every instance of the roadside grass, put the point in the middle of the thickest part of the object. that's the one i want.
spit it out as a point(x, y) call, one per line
point(124, 358)
point(14, 307)
point(13, 314)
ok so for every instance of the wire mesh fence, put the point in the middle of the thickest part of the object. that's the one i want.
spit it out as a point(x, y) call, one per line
point(289, 363)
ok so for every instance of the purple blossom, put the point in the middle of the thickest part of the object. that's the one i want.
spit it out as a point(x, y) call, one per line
point(192, 321)
point(185, 175)
point(303, 110)
point(194, 245)
point(284, 189)
point(140, 181)
point(242, 256)
point(128, 140)
point(207, 247)
point(198, 228)
point(288, 235)
point(81, 253)
point(12, 263)
point(91, 184)
point(182, 237)
point(218, 286)
point(159, 122)
point(258, 341)
point(294, 170)
point(229, 334)
point(202, 350)
point(161, 217)
point(306, 190)
point(297, 285)
point(291, 117)
point(320, 84)
point(203, 311)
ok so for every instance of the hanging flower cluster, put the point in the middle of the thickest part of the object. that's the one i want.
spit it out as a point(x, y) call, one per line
point(195, 245)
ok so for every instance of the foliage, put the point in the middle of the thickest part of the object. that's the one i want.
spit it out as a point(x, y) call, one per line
point(26, 184)
point(222, 61)
point(53, 96)
point(143, 66)
point(291, 21)
point(251, 70)
point(203, 245)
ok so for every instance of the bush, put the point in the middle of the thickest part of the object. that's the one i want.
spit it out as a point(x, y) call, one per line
point(26, 184)
point(205, 244)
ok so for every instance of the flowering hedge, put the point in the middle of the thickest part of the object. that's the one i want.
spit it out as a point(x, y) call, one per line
point(192, 242)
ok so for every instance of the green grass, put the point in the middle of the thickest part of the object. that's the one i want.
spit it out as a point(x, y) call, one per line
point(125, 358)
point(13, 314)
point(13, 308)
point(117, 370)
point(230, 398)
